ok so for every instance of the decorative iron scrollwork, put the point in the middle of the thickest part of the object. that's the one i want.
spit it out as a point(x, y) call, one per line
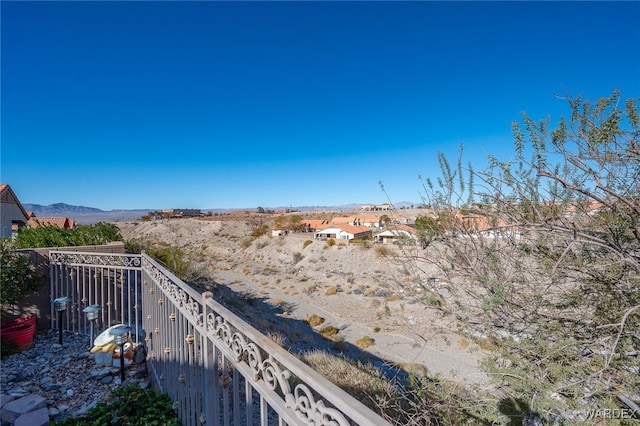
point(315, 412)
point(73, 258)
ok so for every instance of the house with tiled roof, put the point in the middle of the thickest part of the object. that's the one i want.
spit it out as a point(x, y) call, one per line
point(395, 233)
point(313, 225)
point(343, 231)
point(12, 214)
point(59, 222)
point(371, 221)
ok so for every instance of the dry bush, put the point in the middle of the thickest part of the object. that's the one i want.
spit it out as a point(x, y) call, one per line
point(310, 289)
point(314, 320)
point(363, 381)
point(328, 332)
point(365, 342)
point(306, 244)
point(278, 338)
point(382, 250)
point(392, 297)
point(297, 257)
point(331, 290)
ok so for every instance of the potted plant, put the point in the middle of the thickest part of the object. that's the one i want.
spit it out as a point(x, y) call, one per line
point(17, 279)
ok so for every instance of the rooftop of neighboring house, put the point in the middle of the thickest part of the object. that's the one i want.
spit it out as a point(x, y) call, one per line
point(8, 196)
point(355, 219)
point(60, 222)
point(347, 228)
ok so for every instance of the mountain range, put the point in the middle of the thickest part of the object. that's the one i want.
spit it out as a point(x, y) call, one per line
point(88, 215)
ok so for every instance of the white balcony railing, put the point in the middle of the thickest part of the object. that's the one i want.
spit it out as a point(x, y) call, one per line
point(216, 368)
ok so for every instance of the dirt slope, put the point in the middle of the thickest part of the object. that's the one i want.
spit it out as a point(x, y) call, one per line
point(277, 282)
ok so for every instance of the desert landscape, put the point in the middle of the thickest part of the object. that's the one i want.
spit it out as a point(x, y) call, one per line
point(357, 294)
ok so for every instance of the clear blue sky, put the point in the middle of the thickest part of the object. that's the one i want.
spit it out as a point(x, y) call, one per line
point(125, 105)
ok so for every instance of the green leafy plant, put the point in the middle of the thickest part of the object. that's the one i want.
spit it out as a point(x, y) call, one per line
point(129, 406)
point(17, 274)
point(53, 236)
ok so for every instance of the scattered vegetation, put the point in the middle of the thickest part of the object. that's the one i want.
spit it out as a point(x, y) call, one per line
point(306, 244)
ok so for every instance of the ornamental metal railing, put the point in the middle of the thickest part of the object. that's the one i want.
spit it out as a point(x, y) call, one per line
point(217, 369)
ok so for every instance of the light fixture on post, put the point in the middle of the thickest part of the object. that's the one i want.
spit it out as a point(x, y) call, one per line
point(60, 305)
point(92, 314)
point(120, 335)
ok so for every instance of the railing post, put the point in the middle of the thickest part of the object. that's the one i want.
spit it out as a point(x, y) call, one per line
point(211, 398)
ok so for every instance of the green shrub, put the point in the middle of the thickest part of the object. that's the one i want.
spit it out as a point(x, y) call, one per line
point(53, 236)
point(129, 406)
point(17, 274)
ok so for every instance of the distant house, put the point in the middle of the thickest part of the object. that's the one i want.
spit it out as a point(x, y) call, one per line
point(12, 214)
point(313, 225)
point(343, 232)
point(179, 213)
point(395, 234)
point(370, 221)
point(59, 222)
point(377, 207)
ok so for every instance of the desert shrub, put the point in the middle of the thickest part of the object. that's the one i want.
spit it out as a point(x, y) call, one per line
point(540, 253)
point(17, 273)
point(306, 244)
point(365, 342)
point(53, 236)
point(331, 290)
point(314, 320)
point(328, 332)
point(310, 289)
point(297, 257)
point(330, 242)
point(260, 231)
point(382, 250)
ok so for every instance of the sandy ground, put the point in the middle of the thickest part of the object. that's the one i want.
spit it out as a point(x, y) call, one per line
point(275, 283)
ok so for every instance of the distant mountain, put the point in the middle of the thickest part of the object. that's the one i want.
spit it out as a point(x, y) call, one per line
point(89, 215)
point(59, 209)
point(84, 215)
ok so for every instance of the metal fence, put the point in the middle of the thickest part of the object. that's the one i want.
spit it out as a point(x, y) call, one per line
point(216, 368)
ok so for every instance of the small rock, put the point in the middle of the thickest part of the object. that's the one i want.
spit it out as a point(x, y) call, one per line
point(106, 380)
point(51, 387)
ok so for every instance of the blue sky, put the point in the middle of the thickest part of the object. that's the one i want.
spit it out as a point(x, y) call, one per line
point(126, 105)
